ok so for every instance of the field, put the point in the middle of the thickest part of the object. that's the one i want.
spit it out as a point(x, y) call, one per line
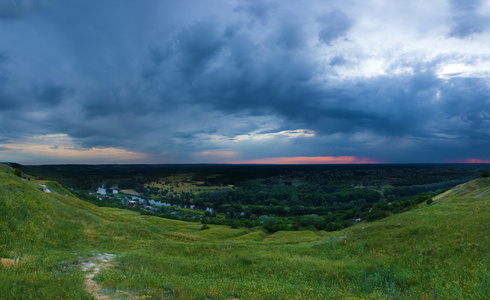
point(52, 245)
point(184, 183)
point(130, 192)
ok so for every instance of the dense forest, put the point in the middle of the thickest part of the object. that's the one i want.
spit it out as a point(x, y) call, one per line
point(132, 176)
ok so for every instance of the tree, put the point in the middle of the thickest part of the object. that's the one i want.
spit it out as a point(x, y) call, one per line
point(312, 220)
point(376, 214)
point(18, 172)
point(235, 224)
point(247, 213)
point(333, 226)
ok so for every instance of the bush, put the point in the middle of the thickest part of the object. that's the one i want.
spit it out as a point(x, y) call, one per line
point(334, 226)
point(485, 174)
point(235, 224)
point(312, 220)
point(204, 227)
point(429, 202)
point(376, 214)
point(18, 172)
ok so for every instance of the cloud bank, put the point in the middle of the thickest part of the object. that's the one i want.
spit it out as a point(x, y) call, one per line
point(211, 81)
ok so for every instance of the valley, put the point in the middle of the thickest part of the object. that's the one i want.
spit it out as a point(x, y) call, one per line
point(436, 251)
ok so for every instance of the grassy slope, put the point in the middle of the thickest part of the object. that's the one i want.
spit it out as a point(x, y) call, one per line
point(442, 250)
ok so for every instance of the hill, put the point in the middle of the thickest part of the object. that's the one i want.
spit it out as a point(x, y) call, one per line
point(55, 246)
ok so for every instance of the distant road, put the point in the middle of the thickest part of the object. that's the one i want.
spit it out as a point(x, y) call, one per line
point(130, 192)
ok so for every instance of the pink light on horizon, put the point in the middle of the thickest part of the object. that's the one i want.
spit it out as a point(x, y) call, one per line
point(310, 160)
point(470, 161)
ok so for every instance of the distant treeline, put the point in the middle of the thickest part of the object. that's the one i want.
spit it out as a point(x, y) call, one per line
point(286, 199)
point(403, 191)
point(136, 176)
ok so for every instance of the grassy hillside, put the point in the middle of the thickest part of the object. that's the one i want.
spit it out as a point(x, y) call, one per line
point(46, 240)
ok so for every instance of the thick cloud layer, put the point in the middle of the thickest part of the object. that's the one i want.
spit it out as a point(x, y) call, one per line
point(223, 81)
point(466, 19)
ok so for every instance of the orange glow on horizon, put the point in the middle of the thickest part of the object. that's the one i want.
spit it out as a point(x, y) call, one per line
point(56, 148)
point(310, 160)
point(470, 161)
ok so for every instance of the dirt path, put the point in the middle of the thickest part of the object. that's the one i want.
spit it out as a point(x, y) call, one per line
point(94, 266)
point(481, 194)
point(45, 189)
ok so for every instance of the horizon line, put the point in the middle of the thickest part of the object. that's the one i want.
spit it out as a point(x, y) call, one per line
point(253, 164)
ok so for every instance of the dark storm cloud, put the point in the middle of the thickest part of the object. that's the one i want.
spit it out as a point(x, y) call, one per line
point(163, 77)
point(17, 8)
point(386, 105)
point(333, 25)
point(290, 35)
point(197, 45)
point(9, 102)
point(465, 20)
point(257, 9)
point(338, 60)
point(3, 59)
point(52, 94)
point(467, 105)
point(419, 106)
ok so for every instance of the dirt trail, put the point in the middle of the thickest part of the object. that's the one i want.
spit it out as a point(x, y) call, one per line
point(94, 266)
point(45, 189)
point(481, 194)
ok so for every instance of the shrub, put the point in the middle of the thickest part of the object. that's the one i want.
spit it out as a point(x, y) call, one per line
point(429, 202)
point(376, 214)
point(235, 224)
point(334, 226)
point(485, 174)
point(18, 172)
point(204, 227)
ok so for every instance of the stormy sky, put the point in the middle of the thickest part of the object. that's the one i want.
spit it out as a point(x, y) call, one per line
point(244, 81)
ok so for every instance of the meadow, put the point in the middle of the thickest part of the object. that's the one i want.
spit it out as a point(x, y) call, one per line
point(184, 183)
point(436, 251)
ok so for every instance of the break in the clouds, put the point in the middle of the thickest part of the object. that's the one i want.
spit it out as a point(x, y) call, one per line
point(244, 81)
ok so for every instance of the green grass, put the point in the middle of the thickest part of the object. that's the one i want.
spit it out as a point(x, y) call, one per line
point(439, 249)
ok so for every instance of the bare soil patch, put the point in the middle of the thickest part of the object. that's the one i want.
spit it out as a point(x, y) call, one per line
point(93, 267)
